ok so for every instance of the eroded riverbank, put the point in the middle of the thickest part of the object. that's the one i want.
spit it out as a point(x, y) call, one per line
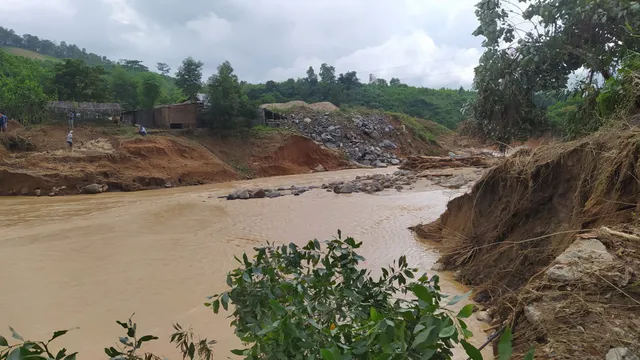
point(87, 261)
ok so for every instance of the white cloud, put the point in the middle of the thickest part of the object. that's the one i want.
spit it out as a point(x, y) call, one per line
point(414, 39)
point(211, 27)
point(415, 59)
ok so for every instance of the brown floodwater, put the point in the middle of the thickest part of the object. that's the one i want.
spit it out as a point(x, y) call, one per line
point(87, 261)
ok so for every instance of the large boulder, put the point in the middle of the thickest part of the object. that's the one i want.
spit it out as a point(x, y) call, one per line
point(319, 168)
point(258, 194)
point(344, 189)
point(240, 194)
point(94, 189)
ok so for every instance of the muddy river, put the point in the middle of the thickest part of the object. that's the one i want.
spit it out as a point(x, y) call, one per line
point(86, 261)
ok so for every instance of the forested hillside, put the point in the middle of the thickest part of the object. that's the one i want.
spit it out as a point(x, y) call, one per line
point(67, 72)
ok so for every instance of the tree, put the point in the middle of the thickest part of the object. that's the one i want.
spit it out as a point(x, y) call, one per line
point(394, 82)
point(133, 65)
point(149, 90)
point(74, 80)
point(189, 77)
point(163, 68)
point(349, 80)
point(312, 78)
point(327, 74)
point(563, 36)
point(124, 88)
point(228, 102)
point(295, 303)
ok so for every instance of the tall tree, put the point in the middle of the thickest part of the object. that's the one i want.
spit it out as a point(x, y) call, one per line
point(74, 80)
point(394, 82)
point(149, 90)
point(327, 73)
point(124, 88)
point(228, 102)
point(133, 65)
point(312, 78)
point(189, 77)
point(163, 68)
point(349, 80)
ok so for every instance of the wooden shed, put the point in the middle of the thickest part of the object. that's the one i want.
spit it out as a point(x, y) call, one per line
point(176, 116)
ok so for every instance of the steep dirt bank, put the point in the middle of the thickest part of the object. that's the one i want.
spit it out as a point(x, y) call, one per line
point(39, 162)
point(506, 237)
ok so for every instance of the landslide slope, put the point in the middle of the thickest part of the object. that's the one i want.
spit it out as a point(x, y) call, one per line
point(506, 236)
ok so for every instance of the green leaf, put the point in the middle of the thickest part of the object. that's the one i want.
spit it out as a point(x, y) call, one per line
point(409, 274)
point(422, 337)
point(529, 355)
point(472, 352)
point(422, 293)
point(465, 312)
point(505, 347)
point(145, 339)
point(428, 354)
point(458, 298)
point(467, 333)
point(15, 354)
point(374, 315)
point(15, 335)
point(216, 306)
point(277, 307)
point(192, 351)
point(71, 356)
point(124, 325)
point(447, 332)
point(225, 301)
point(327, 354)
point(237, 351)
point(3, 341)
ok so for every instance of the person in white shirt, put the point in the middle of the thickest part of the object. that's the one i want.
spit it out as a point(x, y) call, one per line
point(70, 139)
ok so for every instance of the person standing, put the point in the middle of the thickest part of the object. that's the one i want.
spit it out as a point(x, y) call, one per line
point(72, 118)
point(70, 140)
point(3, 122)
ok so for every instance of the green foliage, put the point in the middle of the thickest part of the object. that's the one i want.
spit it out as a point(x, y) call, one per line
point(298, 303)
point(564, 36)
point(124, 88)
point(149, 90)
point(36, 350)
point(163, 68)
point(189, 77)
point(228, 102)
point(76, 81)
point(22, 98)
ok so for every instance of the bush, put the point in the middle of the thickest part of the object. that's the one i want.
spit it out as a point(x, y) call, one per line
point(297, 303)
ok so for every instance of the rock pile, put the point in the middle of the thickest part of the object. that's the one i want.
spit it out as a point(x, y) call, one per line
point(373, 183)
point(245, 194)
point(365, 140)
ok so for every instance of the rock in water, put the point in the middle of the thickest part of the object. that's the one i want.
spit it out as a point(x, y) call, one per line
point(258, 194)
point(344, 189)
point(379, 164)
point(242, 194)
point(319, 168)
point(37, 192)
point(273, 194)
point(92, 189)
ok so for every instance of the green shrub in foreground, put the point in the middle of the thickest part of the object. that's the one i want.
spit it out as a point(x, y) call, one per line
point(306, 303)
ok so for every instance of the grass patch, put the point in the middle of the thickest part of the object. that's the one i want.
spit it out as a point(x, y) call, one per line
point(263, 130)
point(424, 129)
point(28, 54)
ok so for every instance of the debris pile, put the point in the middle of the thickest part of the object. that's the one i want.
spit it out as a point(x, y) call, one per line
point(365, 139)
point(373, 183)
point(421, 163)
point(260, 193)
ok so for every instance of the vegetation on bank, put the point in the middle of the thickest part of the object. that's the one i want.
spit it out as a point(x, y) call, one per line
point(523, 80)
point(46, 71)
point(311, 302)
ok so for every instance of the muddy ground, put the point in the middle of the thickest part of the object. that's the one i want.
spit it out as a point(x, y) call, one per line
point(550, 239)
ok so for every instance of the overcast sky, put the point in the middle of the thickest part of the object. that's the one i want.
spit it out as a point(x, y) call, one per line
point(422, 42)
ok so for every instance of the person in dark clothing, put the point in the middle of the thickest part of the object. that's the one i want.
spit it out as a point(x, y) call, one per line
point(4, 121)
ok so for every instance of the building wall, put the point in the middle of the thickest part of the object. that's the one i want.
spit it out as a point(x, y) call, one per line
point(185, 114)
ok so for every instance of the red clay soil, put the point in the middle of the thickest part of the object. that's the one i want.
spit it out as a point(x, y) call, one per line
point(130, 164)
point(298, 155)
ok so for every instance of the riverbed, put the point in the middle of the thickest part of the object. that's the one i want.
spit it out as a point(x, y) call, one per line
point(87, 261)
